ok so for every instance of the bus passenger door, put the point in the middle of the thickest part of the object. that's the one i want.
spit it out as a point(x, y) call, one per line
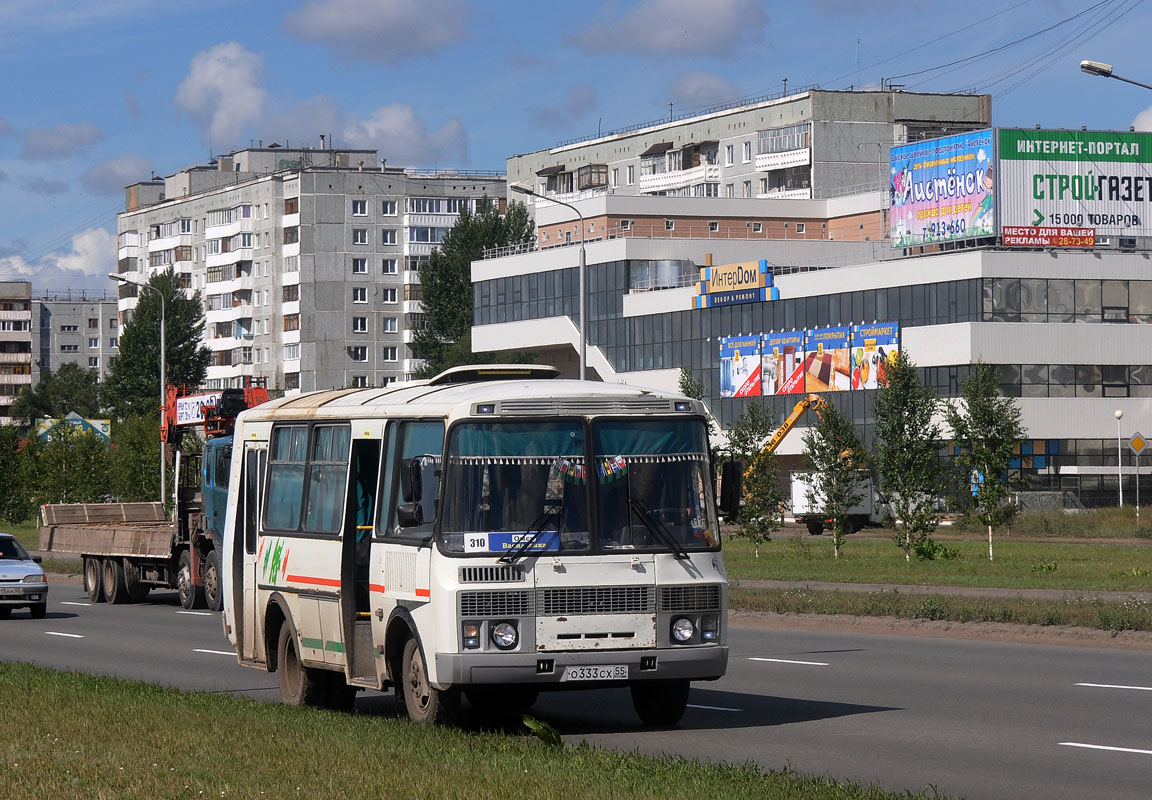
point(247, 614)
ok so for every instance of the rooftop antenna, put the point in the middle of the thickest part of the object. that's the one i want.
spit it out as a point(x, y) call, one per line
point(857, 62)
point(669, 112)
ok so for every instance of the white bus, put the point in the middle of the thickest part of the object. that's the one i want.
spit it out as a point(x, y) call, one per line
point(491, 533)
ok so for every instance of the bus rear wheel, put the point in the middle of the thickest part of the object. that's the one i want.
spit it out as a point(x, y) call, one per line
point(424, 702)
point(299, 685)
point(660, 703)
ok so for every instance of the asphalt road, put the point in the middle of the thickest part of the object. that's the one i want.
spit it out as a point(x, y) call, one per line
point(972, 718)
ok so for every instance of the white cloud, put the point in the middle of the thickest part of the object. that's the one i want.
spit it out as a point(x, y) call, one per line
point(81, 267)
point(1143, 121)
point(43, 144)
point(111, 176)
point(580, 100)
point(676, 28)
point(698, 88)
point(223, 91)
point(387, 31)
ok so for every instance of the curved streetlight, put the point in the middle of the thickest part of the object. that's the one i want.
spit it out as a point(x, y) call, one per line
point(583, 340)
point(163, 366)
point(1105, 71)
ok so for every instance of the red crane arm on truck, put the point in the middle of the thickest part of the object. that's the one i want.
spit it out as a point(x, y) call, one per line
point(215, 411)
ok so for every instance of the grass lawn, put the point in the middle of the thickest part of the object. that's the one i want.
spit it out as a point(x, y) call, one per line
point(64, 735)
point(1019, 563)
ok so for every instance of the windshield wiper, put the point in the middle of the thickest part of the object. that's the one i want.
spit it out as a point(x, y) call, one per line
point(656, 527)
point(530, 537)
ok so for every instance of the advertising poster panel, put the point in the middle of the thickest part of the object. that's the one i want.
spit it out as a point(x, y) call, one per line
point(782, 362)
point(827, 358)
point(1072, 187)
point(740, 366)
point(941, 190)
point(874, 347)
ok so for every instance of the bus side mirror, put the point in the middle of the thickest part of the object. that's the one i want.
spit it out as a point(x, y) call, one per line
point(731, 480)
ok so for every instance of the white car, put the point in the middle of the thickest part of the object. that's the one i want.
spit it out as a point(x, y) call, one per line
point(23, 583)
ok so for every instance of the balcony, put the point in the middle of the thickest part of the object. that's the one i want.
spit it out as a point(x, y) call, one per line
point(665, 181)
point(16, 358)
point(787, 194)
point(766, 162)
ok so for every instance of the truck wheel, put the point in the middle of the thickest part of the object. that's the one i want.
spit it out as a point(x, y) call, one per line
point(94, 580)
point(213, 597)
point(114, 589)
point(425, 703)
point(660, 703)
point(299, 685)
point(137, 590)
point(190, 596)
point(38, 610)
point(815, 527)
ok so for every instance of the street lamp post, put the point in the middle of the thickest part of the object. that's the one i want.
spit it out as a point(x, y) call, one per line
point(583, 266)
point(163, 367)
point(1105, 71)
point(1119, 457)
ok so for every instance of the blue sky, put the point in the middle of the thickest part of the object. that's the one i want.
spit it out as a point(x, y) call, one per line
point(100, 94)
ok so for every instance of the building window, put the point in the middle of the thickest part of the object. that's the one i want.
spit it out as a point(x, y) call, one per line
point(713, 226)
point(729, 155)
point(291, 235)
point(388, 325)
point(292, 205)
point(388, 295)
point(388, 208)
point(390, 353)
point(291, 322)
point(69, 328)
point(669, 224)
point(359, 381)
point(801, 227)
point(292, 263)
point(763, 186)
point(112, 323)
point(388, 236)
point(747, 152)
point(359, 324)
point(615, 176)
point(113, 344)
point(291, 293)
point(625, 224)
point(93, 324)
point(359, 208)
point(388, 266)
point(358, 353)
point(747, 188)
point(69, 348)
point(93, 342)
point(359, 294)
point(757, 227)
point(359, 266)
point(94, 362)
point(359, 236)
point(631, 174)
point(730, 190)
point(292, 352)
point(291, 380)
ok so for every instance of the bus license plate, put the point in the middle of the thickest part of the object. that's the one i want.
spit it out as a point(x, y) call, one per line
point(610, 672)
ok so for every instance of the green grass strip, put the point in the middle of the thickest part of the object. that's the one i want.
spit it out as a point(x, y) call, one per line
point(65, 735)
point(1128, 615)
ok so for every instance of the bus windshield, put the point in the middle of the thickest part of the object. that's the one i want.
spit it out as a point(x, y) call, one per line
point(527, 487)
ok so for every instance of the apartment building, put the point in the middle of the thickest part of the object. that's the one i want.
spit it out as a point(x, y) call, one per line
point(15, 343)
point(307, 260)
point(78, 330)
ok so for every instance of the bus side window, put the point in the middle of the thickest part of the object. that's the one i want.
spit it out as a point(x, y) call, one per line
point(416, 439)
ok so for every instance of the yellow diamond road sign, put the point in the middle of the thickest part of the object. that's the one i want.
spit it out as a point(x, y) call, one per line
point(1137, 444)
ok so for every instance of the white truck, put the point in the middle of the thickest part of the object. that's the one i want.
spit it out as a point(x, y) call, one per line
point(869, 511)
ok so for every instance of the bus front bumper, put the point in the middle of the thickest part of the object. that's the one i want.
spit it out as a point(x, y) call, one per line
point(582, 669)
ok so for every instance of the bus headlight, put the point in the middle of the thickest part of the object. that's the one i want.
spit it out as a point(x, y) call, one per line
point(683, 629)
point(471, 635)
point(709, 629)
point(504, 635)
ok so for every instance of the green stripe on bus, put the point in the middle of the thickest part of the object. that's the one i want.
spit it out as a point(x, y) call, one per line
point(320, 644)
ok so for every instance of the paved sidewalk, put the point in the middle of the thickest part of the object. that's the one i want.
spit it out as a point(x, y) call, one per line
point(951, 591)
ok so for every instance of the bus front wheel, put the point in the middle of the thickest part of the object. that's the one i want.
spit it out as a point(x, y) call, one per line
point(660, 703)
point(423, 702)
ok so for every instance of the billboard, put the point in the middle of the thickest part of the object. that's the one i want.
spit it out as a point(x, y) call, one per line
point(729, 284)
point(874, 347)
point(782, 363)
point(827, 359)
point(1073, 186)
point(941, 190)
point(740, 366)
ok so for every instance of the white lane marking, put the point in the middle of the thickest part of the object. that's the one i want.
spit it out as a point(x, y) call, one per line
point(215, 652)
point(714, 708)
point(1116, 686)
point(786, 661)
point(196, 613)
point(69, 635)
point(1106, 747)
point(67, 603)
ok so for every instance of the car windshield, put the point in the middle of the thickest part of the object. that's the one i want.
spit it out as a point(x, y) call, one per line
point(12, 550)
point(523, 488)
point(652, 485)
point(510, 481)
